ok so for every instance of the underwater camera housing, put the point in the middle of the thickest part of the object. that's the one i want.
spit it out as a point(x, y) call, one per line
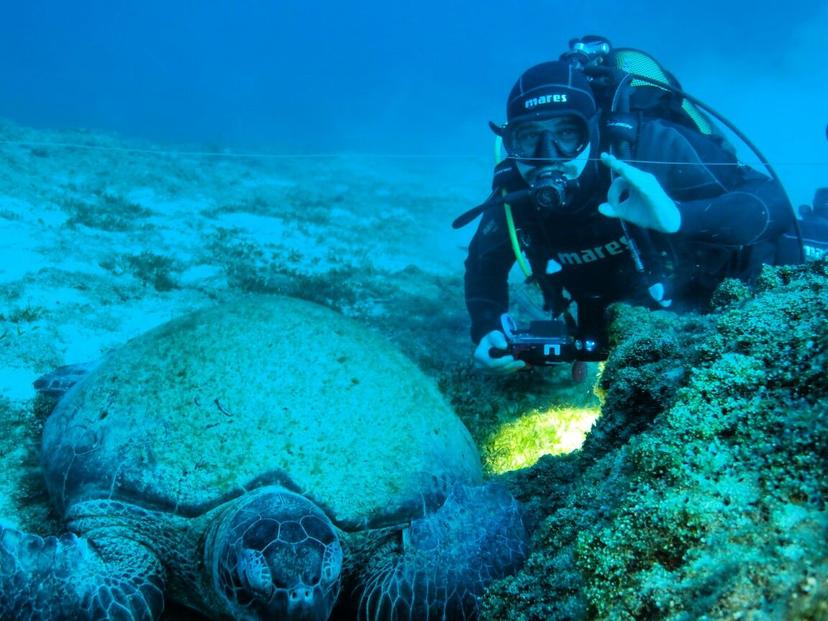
point(548, 342)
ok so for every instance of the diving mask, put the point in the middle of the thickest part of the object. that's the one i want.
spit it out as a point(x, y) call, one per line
point(540, 140)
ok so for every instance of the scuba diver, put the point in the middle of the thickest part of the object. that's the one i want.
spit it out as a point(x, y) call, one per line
point(813, 225)
point(614, 187)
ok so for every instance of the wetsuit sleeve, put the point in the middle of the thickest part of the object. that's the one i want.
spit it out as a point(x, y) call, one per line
point(721, 201)
point(487, 274)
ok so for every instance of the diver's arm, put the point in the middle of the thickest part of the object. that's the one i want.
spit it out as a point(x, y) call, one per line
point(754, 211)
point(488, 263)
point(719, 200)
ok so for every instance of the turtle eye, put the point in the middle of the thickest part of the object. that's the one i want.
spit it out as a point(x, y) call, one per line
point(253, 572)
point(332, 563)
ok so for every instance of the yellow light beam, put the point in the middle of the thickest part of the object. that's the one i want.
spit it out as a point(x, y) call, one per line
point(520, 443)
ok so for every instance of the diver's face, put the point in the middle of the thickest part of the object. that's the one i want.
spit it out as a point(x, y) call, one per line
point(557, 144)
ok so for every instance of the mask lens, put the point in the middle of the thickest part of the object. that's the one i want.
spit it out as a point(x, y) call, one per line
point(557, 138)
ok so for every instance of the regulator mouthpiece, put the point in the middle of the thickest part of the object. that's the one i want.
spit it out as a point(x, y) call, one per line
point(549, 191)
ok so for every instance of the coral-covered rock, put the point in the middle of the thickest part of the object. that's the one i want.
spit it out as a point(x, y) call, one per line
point(700, 492)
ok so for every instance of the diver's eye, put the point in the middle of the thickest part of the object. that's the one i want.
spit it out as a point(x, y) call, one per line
point(528, 135)
point(571, 133)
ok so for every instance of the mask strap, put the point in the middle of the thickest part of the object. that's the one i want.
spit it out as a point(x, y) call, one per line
point(579, 163)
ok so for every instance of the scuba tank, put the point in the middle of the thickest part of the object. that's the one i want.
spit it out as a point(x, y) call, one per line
point(634, 85)
point(610, 76)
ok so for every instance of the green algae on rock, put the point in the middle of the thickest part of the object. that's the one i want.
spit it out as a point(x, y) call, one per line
point(700, 492)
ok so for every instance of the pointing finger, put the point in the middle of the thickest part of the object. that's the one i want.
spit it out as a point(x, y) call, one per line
point(617, 166)
point(607, 210)
point(610, 161)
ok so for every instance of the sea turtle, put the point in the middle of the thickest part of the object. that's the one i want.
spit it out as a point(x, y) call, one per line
point(251, 461)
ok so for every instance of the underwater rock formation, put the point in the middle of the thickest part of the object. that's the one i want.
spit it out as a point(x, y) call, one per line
point(701, 490)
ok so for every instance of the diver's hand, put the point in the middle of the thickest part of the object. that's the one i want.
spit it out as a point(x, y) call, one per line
point(497, 365)
point(647, 204)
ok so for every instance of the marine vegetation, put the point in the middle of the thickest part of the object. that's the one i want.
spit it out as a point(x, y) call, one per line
point(701, 490)
point(106, 211)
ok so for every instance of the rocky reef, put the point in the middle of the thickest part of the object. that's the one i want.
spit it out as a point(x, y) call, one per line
point(700, 492)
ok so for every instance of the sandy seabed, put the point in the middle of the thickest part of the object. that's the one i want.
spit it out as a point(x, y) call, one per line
point(105, 237)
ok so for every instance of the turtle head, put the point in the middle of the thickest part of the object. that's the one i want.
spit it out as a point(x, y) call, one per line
point(275, 555)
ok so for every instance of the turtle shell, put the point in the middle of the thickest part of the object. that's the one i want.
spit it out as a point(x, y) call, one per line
point(264, 390)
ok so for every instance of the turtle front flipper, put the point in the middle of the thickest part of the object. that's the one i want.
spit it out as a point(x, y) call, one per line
point(68, 577)
point(448, 559)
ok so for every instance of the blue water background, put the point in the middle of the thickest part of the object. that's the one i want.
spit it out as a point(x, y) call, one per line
point(393, 77)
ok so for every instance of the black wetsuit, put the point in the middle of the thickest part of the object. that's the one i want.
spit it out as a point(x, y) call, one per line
point(731, 220)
